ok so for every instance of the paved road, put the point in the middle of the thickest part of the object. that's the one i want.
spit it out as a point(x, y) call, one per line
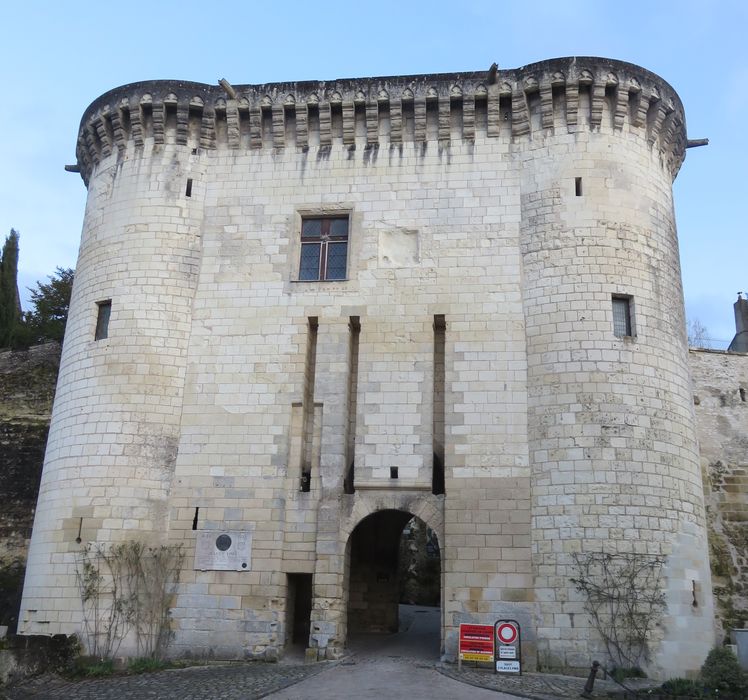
point(236, 682)
point(393, 666)
point(370, 679)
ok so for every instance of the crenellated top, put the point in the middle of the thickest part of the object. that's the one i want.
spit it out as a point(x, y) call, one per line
point(562, 95)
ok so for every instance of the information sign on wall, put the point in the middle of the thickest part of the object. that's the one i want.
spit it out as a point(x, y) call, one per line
point(508, 651)
point(476, 643)
point(223, 550)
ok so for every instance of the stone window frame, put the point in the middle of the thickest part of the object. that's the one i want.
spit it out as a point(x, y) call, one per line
point(324, 211)
point(334, 233)
point(103, 317)
point(623, 320)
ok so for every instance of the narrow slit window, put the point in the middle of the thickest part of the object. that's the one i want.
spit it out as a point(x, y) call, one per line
point(393, 472)
point(102, 319)
point(622, 325)
point(188, 189)
point(194, 520)
point(578, 186)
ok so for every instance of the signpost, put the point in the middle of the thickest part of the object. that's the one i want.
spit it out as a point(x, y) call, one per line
point(508, 650)
point(476, 643)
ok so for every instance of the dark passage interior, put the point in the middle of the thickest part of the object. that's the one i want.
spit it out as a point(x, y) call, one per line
point(394, 558)
point(299, 608)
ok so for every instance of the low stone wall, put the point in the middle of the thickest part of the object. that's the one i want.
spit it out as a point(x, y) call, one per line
point(29, 656)
point(720, 394)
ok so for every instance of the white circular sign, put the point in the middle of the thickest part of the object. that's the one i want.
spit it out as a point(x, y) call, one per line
point(506, 632)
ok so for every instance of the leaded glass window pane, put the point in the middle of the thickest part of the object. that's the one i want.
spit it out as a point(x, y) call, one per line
point(309, 268)
point(311, 228)
point(324, 248)
point(337, 254)
point(339, 227)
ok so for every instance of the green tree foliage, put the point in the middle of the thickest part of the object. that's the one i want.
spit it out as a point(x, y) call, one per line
point(10, 305)
point(51, 302)
point(722, 675)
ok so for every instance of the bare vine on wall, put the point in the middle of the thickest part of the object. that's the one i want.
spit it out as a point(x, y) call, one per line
point(624, 599)
point(128, 587)
point(152, 577)
point(107, 611)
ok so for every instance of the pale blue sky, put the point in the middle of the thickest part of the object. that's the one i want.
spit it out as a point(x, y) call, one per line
point(57, 57)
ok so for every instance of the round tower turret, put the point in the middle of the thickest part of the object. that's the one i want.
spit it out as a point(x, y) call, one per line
point(616, 481)
point(113, 439)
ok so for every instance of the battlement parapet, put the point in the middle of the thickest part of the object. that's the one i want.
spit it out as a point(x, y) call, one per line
point(562, 95)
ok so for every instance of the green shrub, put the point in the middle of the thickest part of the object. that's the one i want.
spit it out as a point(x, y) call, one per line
point(722, 673)
point(683, 688)
point(621, 674)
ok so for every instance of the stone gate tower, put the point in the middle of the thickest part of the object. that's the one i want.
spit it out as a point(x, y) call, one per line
point(307, 312)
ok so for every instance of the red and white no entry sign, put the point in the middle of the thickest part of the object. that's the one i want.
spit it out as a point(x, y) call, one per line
point(506, 633)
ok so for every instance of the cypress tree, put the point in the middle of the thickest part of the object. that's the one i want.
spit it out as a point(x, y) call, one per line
point(51, 301)
point(10, 301)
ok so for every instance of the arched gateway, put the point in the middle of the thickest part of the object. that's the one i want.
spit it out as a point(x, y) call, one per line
point(344, 569)
point(392, 559)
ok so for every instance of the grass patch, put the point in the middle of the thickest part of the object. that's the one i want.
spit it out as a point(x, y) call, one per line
point(148, 665)
point(87, 668)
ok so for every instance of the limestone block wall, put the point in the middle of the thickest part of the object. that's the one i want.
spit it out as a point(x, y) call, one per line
point(113, 438)
point(720, 383)
point(476, 304)
point(609, 420)
point(247, 385)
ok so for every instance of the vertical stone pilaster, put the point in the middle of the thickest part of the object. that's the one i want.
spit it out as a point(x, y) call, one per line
point(330, 389)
